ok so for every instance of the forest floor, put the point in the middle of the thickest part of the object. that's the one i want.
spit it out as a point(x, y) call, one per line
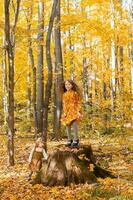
point(112, 152)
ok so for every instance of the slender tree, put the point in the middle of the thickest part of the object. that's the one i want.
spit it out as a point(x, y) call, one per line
point(28, 94)
point(5, 89)
point(40, 78)
point(131, 12)
point(71, 46)
point(10, 45)
point(85, 73)
point(58, 77)
point(49, 65)
point(31, 64)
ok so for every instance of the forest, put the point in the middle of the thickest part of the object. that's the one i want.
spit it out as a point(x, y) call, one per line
point(42, 44)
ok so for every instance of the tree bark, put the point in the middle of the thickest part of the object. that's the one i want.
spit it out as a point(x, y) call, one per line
point(66, 166)
point(85, 80)
point(31, 57)
point(113, 59)
point(40, 78)
point(90, 89)
point(29, 98)
point(32, 64)
point(132, 50)
point(85, 72)
point(71, 47)
point(10, 45)
point(132, 59)
point(85, 66)
point(49, 79)
point(5, 89)
point(58, 77)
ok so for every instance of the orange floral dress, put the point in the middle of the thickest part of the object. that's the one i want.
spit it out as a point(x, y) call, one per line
point(71, 107)
point(36, 163)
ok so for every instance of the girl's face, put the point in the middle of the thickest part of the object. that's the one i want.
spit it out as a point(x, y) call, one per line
point(40, 144)
point(68, 85)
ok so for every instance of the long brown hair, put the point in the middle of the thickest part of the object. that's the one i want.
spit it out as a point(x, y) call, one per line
point(75, 87)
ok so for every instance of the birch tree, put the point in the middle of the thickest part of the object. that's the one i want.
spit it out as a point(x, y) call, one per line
point(5, 89)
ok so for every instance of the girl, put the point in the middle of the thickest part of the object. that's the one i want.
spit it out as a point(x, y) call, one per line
point(71, 110)
point(37, 154)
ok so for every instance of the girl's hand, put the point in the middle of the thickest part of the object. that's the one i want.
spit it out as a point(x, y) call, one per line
point(79, 115)
point(64, 115)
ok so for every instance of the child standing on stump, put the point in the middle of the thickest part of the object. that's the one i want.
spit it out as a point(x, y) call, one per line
point(37, 155)
point(71, 110)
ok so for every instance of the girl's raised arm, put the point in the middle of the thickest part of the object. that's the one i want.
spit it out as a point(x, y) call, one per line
point(45, 156)
point(31, 155)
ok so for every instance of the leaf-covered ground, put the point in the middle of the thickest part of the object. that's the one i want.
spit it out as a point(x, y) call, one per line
point(112, 152)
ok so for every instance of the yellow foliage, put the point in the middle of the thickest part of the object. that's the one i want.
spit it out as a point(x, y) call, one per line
point(86, 32)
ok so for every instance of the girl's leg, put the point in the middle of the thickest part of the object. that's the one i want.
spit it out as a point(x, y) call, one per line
point(38, 165)
point(68, 127)
point(75, 126)
point(69, 132)
point(76, 140)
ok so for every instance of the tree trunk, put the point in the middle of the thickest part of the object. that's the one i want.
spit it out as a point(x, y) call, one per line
point(49, 79)
point(66, 166)
point(58, 77)
point(71, 47)
point(29, 99)
point(113, 58)
point(5, 89)
point(90, 78)
point(132, 59)
point(85, 80)
point(40, 81)
point(31, 60)
point(9, 49)
point(11, 106)
point(10, 45)
point(130, 8)
point(85, 67)
point(31, 64)
point(121, 89)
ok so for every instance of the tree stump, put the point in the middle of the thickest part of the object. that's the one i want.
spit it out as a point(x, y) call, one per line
point(66, 166)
